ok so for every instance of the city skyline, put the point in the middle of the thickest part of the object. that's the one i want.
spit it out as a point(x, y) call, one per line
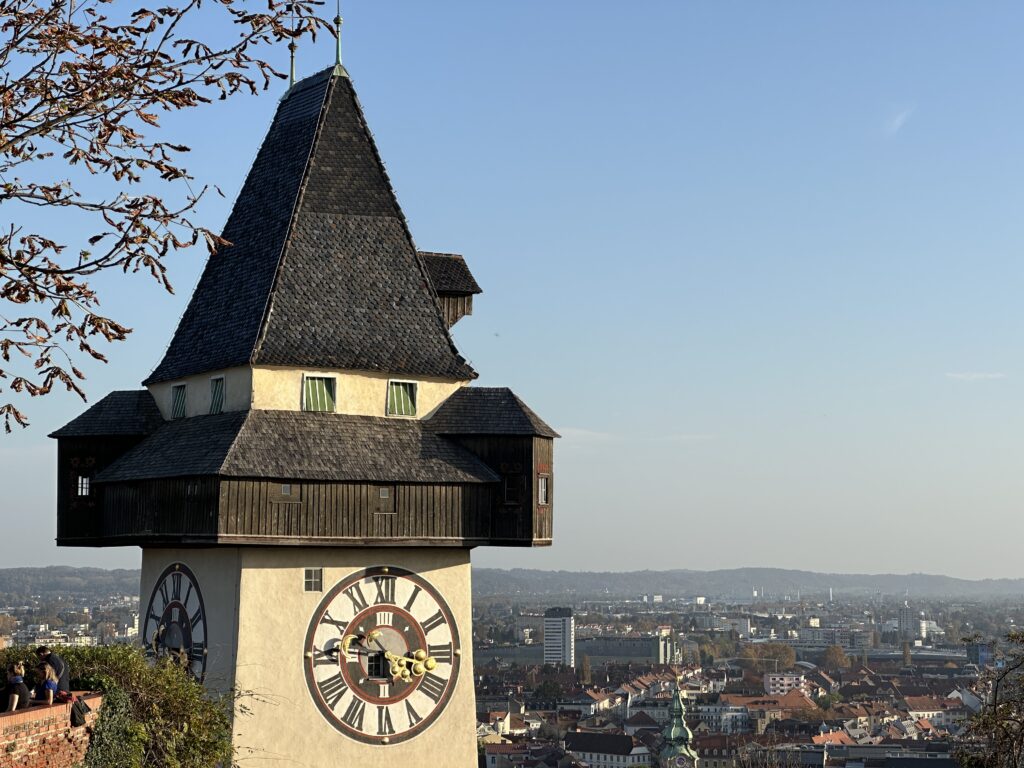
point(771, 293)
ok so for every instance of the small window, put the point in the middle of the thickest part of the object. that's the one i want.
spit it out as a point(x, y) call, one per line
point(286, 489)
point(178, 401)
point(318, 394)
point(385, 493)
point(83, 485)
point(401, 398)
point(217, 395)
point(543, 485)
point(314, 580)
point(376, 666)
point(513, 489)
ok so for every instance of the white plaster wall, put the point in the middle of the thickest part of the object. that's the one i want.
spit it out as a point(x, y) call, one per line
point(217, 571)
point(237, 392)
point(284, 727)
point(358, 393)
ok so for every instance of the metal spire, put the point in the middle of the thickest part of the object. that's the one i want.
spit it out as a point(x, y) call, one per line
point(291, 49)
point(339, 68)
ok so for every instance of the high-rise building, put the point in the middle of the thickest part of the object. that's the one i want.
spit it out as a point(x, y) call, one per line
point(909, 624)
point(559, 637)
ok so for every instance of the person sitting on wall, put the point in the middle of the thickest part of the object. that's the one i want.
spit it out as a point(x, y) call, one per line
point(47, 688)
point(18, 696)
point(60, 669)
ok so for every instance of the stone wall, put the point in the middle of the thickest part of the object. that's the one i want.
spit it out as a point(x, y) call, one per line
point(42, 737)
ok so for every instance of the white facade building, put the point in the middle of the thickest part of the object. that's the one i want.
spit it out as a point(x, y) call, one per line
point(781, 683)
point(559, 637)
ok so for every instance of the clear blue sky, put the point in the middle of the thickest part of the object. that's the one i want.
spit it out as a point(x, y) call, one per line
point(758, 262)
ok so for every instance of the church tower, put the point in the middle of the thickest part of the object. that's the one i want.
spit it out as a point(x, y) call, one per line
point(309, 467)
point(677, 746)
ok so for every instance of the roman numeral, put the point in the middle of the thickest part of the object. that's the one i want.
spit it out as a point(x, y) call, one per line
point(411, 714)
point(384, 619)
point(339, 625)
point(332, 689)
point(188, 594)
point(176, 586)
point(384, 726)
point(385, 589)
point(353, 716)
point(412, 598)
point(163, 592)
point(441, 653)
point(355, 594)
point(197, 651)
point(196, 618)
point(154, 616)
point(433, 686)
point(322, 657)
point(433, 622)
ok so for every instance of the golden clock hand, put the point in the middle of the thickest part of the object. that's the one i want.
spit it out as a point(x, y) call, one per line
point(346, 641)
point(418, 665)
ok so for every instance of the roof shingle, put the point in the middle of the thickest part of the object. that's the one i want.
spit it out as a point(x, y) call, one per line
point(322, 270)
point(297, 445)
point(125, 412)
point(487, 411)
point(449, 273)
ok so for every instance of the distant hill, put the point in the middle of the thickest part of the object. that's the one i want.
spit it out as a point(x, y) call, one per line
point(63, 580)
point(733, 583)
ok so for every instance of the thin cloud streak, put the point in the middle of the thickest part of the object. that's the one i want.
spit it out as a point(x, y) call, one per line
point(894, 124)
point(975, 376)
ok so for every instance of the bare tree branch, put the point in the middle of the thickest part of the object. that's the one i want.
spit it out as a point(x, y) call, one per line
point(93, 85)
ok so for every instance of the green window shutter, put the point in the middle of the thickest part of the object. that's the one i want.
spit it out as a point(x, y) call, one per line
point(216, 395)
point(401, 398)
point(319, 395)
point(178, 401)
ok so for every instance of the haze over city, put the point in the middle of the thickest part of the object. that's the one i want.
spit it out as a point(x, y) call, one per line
point(760, 264)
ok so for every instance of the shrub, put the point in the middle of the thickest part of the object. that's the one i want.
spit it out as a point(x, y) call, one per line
point(154, 715)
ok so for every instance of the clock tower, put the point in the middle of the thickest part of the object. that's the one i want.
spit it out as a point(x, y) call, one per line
point(309, 466)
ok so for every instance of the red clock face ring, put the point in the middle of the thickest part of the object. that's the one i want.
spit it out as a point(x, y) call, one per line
point(382, 655)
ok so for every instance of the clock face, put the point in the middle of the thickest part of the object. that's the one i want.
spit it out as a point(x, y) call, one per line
point(175, 623)
point(382, 655)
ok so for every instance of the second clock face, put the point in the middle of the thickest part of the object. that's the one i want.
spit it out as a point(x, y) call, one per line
point(175, 621)
point(382, 655)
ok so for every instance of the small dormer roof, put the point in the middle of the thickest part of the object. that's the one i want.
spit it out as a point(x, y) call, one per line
point(449, 274)
point(126, 413)
point(487, 411)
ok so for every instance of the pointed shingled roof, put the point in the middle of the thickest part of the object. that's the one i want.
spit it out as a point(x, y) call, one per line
point(322, 271)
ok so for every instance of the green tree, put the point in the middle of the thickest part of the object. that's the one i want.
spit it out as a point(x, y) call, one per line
point(158, 716)
point(767, 656)
point(834, 657)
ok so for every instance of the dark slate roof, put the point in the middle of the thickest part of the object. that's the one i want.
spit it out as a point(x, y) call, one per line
point(449, 273)
point(600, 743)
point(293, 445)
point(127, 413)
point(487, 411)
point(322, 271)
